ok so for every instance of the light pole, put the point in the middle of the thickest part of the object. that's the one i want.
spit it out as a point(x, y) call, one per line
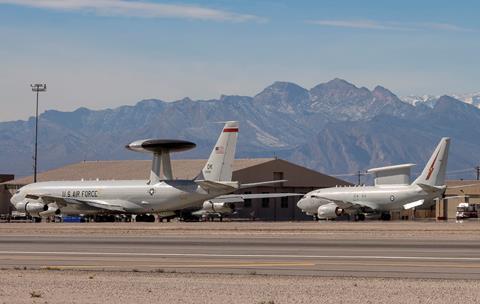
point(37, 88)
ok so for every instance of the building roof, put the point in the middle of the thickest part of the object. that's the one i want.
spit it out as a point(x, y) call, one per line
point(6, 177)
point(127, 170)
point(244, 170)
point(463, 187)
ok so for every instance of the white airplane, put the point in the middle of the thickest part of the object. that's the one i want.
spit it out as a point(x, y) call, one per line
point(391, 192)
point(161, 194)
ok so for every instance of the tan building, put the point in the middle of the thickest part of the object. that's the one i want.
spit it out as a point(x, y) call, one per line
point(447, 208)
point(300, 180)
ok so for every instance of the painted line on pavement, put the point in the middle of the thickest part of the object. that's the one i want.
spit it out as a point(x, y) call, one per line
point(207, 255)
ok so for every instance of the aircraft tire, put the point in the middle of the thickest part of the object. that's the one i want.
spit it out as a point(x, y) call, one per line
point(386, 216)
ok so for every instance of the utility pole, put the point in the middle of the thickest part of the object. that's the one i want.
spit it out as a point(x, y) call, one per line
point(478, 172)
point(37, 88)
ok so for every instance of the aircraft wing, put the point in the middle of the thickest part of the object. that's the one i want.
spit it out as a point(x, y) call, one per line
point(239, 198)
point(249, 185)
point(346, 205)
point(111, 205)
point(107, 205)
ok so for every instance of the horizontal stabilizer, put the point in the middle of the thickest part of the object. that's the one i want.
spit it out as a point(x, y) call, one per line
point(463, 186)
point(430, 189)
point(249, 185)
point(413, 204)
point(455, 196)
point(208, 185)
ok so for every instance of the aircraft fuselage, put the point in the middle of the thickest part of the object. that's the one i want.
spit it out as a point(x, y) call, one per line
point(135, 196)
point(379, 198)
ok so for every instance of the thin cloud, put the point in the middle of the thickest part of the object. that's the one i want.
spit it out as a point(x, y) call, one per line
point(395, 26)
point(143, 9)
point(446, 27)
point(358, 24)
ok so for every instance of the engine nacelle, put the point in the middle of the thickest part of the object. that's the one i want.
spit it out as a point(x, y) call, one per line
point(210, 206)
point(329, 211)
point(31, 207)
point(52, 209)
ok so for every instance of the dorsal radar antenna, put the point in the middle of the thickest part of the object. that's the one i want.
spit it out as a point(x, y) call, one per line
point(161, 149)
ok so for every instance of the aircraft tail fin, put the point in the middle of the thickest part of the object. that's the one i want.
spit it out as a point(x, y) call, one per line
point(434, 172)
point(220, 163)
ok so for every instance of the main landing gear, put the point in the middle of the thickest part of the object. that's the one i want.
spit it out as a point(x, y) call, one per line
point(386, 216)
point(359, 217)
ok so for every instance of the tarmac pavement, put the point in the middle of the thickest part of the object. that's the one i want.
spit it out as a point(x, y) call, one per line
point(443, 256)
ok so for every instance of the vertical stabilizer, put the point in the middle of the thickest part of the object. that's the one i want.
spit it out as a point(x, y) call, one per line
point(434, 172)
point(220, 163)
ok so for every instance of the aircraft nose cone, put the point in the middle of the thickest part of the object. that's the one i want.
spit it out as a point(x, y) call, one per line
point(308, 204)
point(14, 199)
point(303, 203)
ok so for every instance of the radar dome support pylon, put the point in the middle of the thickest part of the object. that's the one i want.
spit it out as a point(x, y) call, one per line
point(161, 148)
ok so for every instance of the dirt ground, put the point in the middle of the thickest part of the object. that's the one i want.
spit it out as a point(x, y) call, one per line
point(324, 230)
point(49, 286)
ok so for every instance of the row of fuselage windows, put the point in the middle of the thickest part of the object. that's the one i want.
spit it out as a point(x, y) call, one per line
point(266, 202)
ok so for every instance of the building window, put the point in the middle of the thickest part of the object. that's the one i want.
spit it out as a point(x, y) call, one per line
point(247, 203)
point(265, 202)
point(284, 202)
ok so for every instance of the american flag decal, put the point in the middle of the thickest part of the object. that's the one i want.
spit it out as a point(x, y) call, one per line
point(220, 150)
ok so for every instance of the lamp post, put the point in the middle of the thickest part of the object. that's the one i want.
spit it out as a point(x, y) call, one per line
point(37, 88)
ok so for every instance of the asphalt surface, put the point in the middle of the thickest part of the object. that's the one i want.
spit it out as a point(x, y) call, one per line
point(246, 254)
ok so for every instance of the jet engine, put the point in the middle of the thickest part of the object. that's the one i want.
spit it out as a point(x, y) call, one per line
point(210, 206)
point(329, 211)
point(31, 207)
point(52, 209)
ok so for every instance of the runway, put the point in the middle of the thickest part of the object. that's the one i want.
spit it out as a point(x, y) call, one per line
point(244, 254)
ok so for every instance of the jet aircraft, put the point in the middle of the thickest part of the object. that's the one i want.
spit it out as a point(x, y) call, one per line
point(391, 191)
point(160, 194)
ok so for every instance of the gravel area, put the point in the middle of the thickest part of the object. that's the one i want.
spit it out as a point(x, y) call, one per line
point(324, 230)
point(47, 286)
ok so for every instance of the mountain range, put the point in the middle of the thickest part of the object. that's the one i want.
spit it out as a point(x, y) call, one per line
point(334, 127)
point(430, 100)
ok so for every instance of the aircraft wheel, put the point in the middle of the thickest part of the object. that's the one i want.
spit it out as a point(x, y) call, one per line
point(386, 216)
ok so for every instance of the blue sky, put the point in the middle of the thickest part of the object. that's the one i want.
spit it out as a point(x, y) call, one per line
point(107, 53)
